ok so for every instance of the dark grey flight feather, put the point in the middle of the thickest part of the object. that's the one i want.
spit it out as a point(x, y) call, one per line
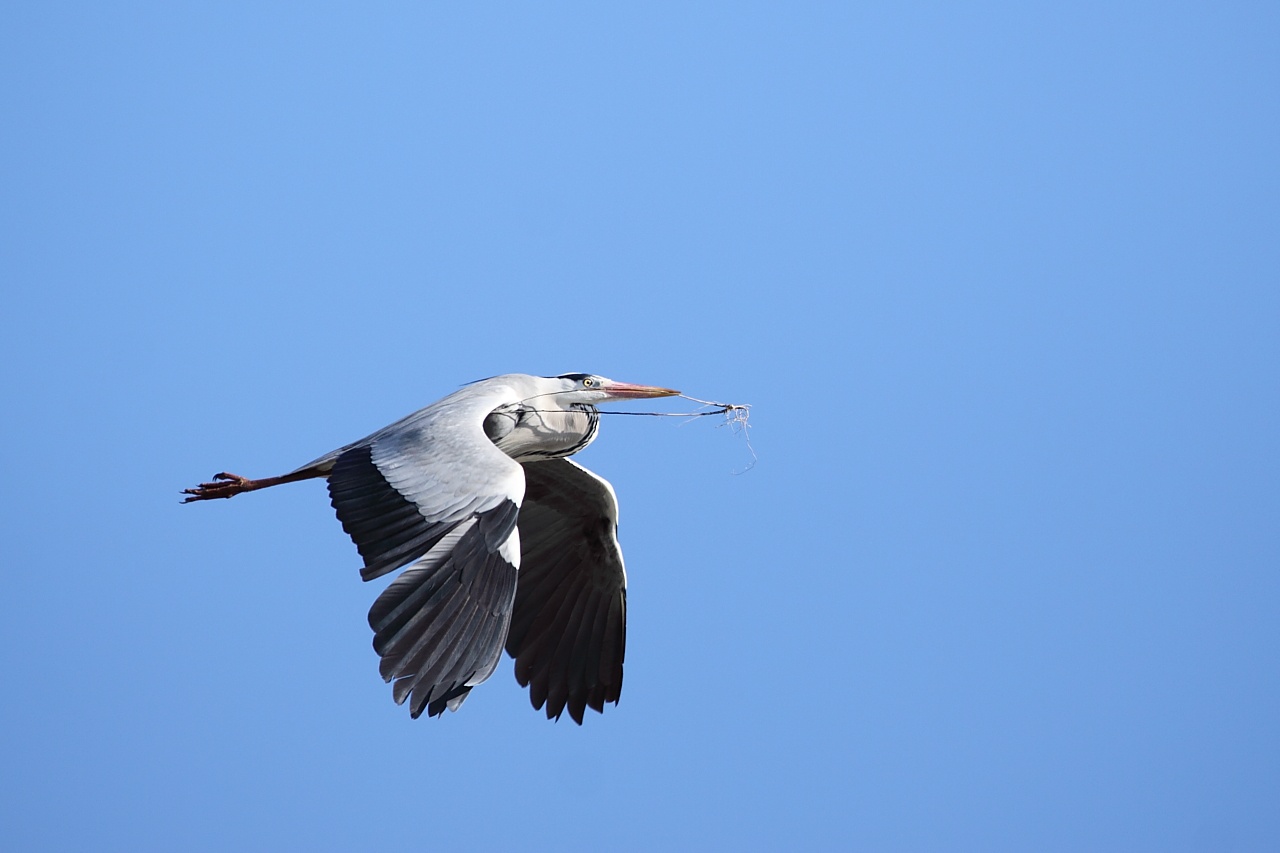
point(387, 527)
point(439, 626)
point(568, 633)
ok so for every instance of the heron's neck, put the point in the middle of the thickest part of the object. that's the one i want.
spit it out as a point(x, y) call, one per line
point(546, 433)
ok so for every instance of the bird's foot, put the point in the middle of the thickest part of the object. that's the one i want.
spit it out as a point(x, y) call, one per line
point(224, 485)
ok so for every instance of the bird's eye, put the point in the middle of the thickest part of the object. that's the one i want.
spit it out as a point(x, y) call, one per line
point(587, 383)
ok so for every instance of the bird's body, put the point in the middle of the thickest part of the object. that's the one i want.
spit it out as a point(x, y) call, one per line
point(505, 542)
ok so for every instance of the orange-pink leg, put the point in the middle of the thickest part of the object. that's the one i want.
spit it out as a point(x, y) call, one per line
point(226, 485)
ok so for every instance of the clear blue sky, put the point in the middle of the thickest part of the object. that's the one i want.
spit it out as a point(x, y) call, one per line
point(1002, 282)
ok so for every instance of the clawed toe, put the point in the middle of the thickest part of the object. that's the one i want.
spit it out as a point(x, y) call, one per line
point(224, 485)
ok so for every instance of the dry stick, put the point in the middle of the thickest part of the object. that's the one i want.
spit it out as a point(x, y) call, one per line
point(736, 417)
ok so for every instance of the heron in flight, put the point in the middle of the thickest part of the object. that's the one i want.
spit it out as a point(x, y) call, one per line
point(505, 541)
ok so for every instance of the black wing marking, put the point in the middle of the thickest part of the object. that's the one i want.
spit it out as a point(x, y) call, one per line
point(389, 530)
point(568, 632)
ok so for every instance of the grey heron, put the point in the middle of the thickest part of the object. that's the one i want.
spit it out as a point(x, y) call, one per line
point(504, 541)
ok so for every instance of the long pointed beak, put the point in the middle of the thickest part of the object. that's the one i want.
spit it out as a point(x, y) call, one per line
point(627, 391)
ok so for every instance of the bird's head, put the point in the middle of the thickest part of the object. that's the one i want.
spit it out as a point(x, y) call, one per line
point(589, 389)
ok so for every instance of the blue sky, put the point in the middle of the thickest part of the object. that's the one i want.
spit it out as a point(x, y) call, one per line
point(999, 280)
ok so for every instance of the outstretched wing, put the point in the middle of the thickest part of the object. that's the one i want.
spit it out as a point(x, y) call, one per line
point(569, 631)
point(432, 492)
